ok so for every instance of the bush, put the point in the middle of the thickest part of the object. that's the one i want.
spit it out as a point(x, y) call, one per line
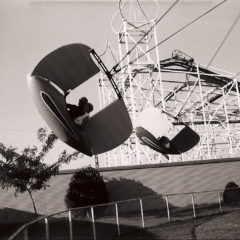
point(86, 188)
point(231, 194)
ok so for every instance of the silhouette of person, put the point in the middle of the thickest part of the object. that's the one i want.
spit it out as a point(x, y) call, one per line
point(74, 111)
point(83, 119)
point(80, 114)
point(164, 142)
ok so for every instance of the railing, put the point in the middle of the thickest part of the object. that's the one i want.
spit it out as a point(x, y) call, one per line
point(167, 212)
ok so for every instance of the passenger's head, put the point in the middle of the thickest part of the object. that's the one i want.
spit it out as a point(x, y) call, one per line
point(164, 141)
point(88, 107)
point(82, 101)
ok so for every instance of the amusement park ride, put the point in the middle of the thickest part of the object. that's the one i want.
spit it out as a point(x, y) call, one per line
point(152, 110)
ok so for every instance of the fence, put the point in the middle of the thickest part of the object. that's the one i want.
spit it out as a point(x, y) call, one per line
point(112, 219)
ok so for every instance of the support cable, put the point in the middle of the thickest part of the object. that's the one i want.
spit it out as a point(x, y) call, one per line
point(144, 35)
point(213, 99)
point(224, 40)
point(140, 7)
point(185, 26)
point(144, 14)
point(120, 11)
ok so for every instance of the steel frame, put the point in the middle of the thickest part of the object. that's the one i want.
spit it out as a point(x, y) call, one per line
point(212, 110)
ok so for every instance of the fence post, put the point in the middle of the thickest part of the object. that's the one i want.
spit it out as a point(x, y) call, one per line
point(93, 221)
point(168, 211)
point(70, 224)
point(193, 205)
point(219, 201)
point(47, 229)
point(141, 206)
point(117, 219)
point(25, 234)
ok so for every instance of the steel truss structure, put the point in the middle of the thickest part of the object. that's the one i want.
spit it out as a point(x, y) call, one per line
point(205, 98)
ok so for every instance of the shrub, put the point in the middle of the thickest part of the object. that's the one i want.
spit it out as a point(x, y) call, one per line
point(231, 194)
point(86, 188)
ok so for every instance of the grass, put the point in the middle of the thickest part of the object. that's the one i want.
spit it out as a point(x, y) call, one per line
point(215, 226)
point(7, 229)
point(222, 227)
point(179, 229)
point(212, 226)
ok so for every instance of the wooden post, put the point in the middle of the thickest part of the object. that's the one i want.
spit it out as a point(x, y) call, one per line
point(219, 201)
point(70, 225)
point(168, 211)
point(47, 229)
point(25, 234)
point(141, 206)
point(93, 221)
point(117, 219)
point(193, 205)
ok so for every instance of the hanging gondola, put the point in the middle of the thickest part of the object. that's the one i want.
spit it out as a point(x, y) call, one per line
point(65, 69)
point(153, 129)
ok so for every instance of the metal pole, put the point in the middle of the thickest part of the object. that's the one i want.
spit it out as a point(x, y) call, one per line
point(219, 201)
point(47, 229)
point(168, 211)
point(93, 221)
point(96, 161)
point(70, 224)
point(193, 205)
point(25, 234)
point(141, 206)
point(117, 218)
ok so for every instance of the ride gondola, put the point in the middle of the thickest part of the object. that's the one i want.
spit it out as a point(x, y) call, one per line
point(65, 69)
point(153, 129)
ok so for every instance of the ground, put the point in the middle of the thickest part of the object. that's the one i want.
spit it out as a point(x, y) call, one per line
point(213, 226)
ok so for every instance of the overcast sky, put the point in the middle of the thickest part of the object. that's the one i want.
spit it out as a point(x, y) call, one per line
point(31, 29)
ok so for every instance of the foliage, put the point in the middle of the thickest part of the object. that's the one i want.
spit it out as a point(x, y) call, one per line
point(25, 171)
point(86, 188)
point(231, 194)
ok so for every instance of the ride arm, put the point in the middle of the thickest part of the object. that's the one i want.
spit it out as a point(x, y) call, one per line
point(106, 71)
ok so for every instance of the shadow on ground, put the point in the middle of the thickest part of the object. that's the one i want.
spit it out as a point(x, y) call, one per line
point(12, 219)
point(59, 230)
point(200, 228)
point(124, 189)
point(10, 216)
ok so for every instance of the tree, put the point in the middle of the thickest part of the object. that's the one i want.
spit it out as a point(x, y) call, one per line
point(25, 171)
point(231, 194)
point(86, 188)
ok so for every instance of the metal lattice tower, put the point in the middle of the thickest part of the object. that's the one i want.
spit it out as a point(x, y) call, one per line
point(206, 98)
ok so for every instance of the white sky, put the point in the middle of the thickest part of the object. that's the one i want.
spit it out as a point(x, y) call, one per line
point(31, 29)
